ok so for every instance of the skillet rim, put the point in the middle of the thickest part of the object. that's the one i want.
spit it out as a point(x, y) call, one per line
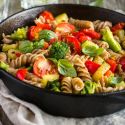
point(48, 91)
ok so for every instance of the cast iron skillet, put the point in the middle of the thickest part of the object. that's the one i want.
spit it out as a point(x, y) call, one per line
point(61, 104)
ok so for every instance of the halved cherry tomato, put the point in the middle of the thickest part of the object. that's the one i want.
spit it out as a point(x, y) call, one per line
point(21, 73)
point(84, 38)
point(33, 32)
point(91, 33)
point(118, 26)
point(74, 41)
point(64, 28)
point(81, 36)
point(112, 64)
point(48, 16)
point(78, 34)
point(122, 62)
point(41, 67)
point(44, 26)
point(92, 66)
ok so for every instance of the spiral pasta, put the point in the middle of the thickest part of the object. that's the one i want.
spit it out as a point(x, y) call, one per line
point(82, 71)
point(40, 51)
point(105, 55)
point(98, 25)
point(81, 23)
point(101, 44)
point(117, 38)
point(77, 84)
point(114, 55)
point(3, 57)
point(6, 39)
point(24, 59)
point(66, 85)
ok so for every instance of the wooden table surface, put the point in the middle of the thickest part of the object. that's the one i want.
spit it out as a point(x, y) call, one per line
point(15, 6)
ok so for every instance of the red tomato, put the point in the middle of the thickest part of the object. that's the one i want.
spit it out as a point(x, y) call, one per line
point(64, 28)
point(48, 16)
point(118, 26)
point(33, 32)
point(41, 67)
point(81, 36)
point(91, 33)
point(112, 64)
point(72, 40)
point(122, 62)
point(91, 66)
point(21, 73)
point(78, 34)
point(84, 38)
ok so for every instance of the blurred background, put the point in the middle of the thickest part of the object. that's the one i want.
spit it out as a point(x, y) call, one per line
point(9, 7)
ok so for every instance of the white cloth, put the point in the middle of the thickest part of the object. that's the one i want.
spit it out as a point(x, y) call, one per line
point(22, 113)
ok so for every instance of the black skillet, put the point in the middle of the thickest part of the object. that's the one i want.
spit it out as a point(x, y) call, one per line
point(61, 104)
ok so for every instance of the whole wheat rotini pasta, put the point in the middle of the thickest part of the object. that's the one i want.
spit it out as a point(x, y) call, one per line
point(98, 24)
point(102, 44)
point(24, 59)
point(81, 23)
point(77, 84)
point(66, 85)
point(82, 71)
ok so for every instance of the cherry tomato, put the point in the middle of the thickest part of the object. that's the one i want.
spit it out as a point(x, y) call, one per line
point(78, 34)
point(73, 41)
point(33, 32)
point(81, 36)
point(41, 67)
point(21, 73)
point(84, 38)
point(118, 27)
point(48, 16)
point(91, 33)
point(64, 28)
point(122, 62)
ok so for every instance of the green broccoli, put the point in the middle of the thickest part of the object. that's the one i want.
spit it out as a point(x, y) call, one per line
point(20, 34)
point(26, 46)
point(58, 50)
point(53, 86)
point(38, 44)
point(89, 88)
point(47, 35)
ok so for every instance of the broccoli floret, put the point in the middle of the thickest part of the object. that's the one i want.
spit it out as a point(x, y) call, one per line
point(19, 34)
point(53, 86)
point(58, 50)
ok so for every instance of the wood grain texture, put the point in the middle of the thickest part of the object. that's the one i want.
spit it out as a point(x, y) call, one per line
point(14, 7)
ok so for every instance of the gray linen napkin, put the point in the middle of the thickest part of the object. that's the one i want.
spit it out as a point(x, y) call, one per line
point(22, 113)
